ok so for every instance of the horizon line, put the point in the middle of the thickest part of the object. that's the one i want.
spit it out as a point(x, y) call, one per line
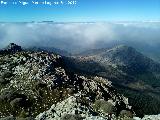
point(51, 21)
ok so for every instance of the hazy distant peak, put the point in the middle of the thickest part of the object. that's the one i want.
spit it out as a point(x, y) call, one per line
point(122, 51)
point(117, 49)
point(122, 48)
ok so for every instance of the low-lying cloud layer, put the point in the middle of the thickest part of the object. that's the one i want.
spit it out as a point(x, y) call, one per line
point(79, 36)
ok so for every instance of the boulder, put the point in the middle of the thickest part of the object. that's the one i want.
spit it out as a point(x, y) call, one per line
point(126, 113)
point(104, 106)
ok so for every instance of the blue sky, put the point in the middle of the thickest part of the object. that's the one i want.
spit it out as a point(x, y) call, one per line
point(84, 10)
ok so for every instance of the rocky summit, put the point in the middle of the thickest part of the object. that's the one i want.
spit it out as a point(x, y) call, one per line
point(37, 85)
point(11, 48)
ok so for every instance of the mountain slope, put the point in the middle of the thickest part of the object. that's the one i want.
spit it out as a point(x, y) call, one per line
point(32, 82)
point(124, 60)
point(134, 74)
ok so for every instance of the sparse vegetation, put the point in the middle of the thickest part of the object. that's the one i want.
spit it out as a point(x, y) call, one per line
point(31, 82)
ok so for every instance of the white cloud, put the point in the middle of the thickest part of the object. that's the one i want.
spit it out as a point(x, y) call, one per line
point(75, 36)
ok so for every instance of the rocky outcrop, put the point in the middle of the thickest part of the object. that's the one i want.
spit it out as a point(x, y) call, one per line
point(69, 109)
point(149, 117)
point(96, 101)
point(11, 49)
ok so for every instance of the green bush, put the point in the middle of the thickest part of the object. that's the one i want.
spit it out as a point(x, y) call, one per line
point(71, 117)
point(7, 74)
point(126, 113)
point(104, 106)
point(3, 81)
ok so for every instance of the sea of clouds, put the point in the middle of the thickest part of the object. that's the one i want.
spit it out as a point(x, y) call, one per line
point(75, 37)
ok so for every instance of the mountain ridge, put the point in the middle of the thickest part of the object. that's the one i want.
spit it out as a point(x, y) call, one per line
point(34, 82)
point(50, 50)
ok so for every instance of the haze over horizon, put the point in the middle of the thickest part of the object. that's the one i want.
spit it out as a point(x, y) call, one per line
point(132, 22)
point(80, 36)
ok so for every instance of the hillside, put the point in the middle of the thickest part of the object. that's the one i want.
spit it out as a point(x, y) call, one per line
point(34, 82)
point(132, 73)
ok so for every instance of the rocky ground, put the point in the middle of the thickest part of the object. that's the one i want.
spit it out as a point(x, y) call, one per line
point(148, 117)
point(36, 85)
